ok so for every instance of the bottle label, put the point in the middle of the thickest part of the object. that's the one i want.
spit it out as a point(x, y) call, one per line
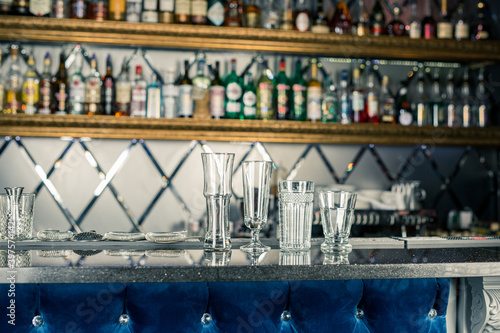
point(76, 91)
point(462, 31)
point(150, 17)
point(30, 93)
point(233, 107)
point(252, 20)
point(233, 91)
point(266, 99)
point(282, 99)
point(138, 102)
point(13, 103)
point(405, 118)
point(182, 7)
point(186, 107)
point(215, 14)
point(329, 109)
point(93, 91)
point(302, 22)
point(376, 29)
point(298, 100)
point(134, 10)
point(61, 98)
point(415, 30)
point(249, 104)
point(217, 95)
point(40, 7)
point(358, 101)
point(429, 31)
point(482, 35)
point(373, 105)
point(153, 107)
point(79, 9)
point(314, 103)
point(444, 30)
point(149, 5)
point(199, 8)
point(167, 6)
point(45, 95)
point(100, 11)
point(122, 93)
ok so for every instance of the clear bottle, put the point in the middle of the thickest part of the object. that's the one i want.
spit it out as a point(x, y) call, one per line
point(93, 90)
point(166, 11)
point(251, 17)
point(345, 101)
point(123, 92)
point(199, 12)
point(40, 8)
point(186, 102)
point(249, 99)
point(154, 98)
point(452, 119)
point(466, 105)
point(396, 27)
point(341, 22)
point(415, 24)
point(60, 88)
point(77, 88)
point(30, 93)
point(46, 94)
point(361, 26)
point(117, 10)
point(444, 26)
point(372, 99)
point(436, 101)
point(13, 84)
point(320, 22)
point(233, 13)
point(482, 106)
point(108, 89)
point(302, 16)
point(149, 12)
point(138, 94)
point(201, 82)
point(377, 20)
point(215, 12)
point(217, 94)
point(387, 103)
point(234, 91)
point(480, 29)
point(134, 9)
point(330, 102)
point(170, 94)
point(461, 23)
point(271, 14)
point(298, 102)
point(358, 99)
point(428, 23)
point(265, 89)
point(60, 9)
point(282, 93)
point(422, 109)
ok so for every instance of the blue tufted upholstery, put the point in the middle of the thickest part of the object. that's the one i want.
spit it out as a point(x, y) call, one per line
point(387, 306)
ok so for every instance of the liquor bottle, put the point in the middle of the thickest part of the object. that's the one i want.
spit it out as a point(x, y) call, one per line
point(461, 23)
point(149, 11)
point(405, 116)
point(480, 29)
point(358, 99)
point(77, 88)
point(314, 91)
point(372, 101)
point(199, 12)
point(415, 24)
point(116, 10)
point(377, 20)
point(341, 22)
point(201, 83)
point(166, 11)
point(40, 8)
point(182, 11)
point(5, 7)
point(450, 102)
point(153, 98)
point(46, 87)
point(2, 87)
point(282, 93)
point(108, 89)
point(13, 84)
point(215, 12)
point(465, 107)
point(249, 99)
point(20, 7)
point(93, 88)
point(287, 16)
point(396, 27)
point(345, 102)
point(361, 26)
point(302, 16)
point(30, 93)
point(79, 9)
point(251, 17)
point(186, 103)
point(138, 94)
point(217, 95)
point(133, 10)
point(298, 102)
point(271, 14)
point(482, 105)
point(422, 110)
point(170, 94)
point(265, 89)
point(387, 103)
point(428, 23)
point(233, 12)
point(444, 26)
point(329, 103)
point(123, 92)
point(61, 9)
point(234, 92)
point(320, 22)
point(60, 88)
point(436, 102)
point(98, 10)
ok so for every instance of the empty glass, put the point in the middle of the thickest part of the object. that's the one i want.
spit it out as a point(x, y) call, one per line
point(296, 199)
point(256, 190)
point(16, 216)
point(337, 213)
point(218, 172)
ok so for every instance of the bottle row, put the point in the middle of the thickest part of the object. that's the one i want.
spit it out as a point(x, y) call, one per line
point(300, 15)
point(360, 96)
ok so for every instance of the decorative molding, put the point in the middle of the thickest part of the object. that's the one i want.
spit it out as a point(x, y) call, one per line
point(485, 315)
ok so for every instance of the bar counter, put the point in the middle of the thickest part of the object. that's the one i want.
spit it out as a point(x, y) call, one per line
point(142, 261)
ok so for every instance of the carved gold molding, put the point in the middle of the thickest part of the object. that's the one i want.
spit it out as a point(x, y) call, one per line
point(242, 130)
point(14, 28)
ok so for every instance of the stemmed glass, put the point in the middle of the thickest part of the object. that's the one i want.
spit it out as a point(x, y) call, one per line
point(256, 189)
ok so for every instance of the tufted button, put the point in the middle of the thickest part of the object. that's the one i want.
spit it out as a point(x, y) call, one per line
point(360, 313)
point(433, 313)
point(124, 319)
point(206, 318)
point(286, 316)
point(37, 321)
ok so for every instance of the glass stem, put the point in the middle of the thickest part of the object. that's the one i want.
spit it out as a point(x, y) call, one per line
point(255, 236)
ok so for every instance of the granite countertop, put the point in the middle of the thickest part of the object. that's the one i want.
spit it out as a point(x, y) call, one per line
point(143, 261)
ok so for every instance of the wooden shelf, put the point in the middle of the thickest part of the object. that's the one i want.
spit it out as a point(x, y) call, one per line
point(242, 130)
point(174, 36)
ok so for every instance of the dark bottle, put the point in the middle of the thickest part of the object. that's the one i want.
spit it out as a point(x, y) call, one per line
point(98, 10)
point(60, 88)
point(41, 8)
point(341, 22)
point(199, 12)
point(377, 20)
point(282, 93)
point(5, 7)
point(108, 89)
point(186, 103)
point(396, 27)
point(46, 96)
point(320, 24)
point(298, 101)
point(20, 7)
point(251, 17)
point(480, 28)
point(79, 9)
point(233, 13)
point(302, 16)
point(217, 94)
point(428, 23)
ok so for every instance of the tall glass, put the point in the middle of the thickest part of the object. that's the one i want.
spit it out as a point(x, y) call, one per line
point(16, 216)
point(337, 213)
point(256, 190)
point(218, 172)
point(296, 214)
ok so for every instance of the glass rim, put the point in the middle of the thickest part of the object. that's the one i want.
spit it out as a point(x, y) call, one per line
point(230, 154)
point(20, 195)
point(257, 161)
point(337, 191)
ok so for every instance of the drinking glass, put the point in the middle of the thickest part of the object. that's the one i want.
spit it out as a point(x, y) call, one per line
point(256, 190)
point(16, 216)
point(337, 213)
point(296, 214)
point(218, 172)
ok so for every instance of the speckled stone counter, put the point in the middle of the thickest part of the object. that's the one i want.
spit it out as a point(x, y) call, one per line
point(110, 262)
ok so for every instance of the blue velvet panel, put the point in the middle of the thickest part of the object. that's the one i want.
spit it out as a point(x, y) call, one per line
point(167, 307)
point(25, 298)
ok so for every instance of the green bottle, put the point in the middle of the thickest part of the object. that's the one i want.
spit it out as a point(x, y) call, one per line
point(233, 93)
point(282, 93)
point(249, 98)
point(330, 102)
point(265, 89)
point(299, 98)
